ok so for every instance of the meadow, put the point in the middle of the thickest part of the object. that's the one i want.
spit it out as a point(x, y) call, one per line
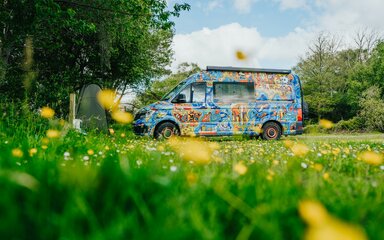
point(57, 183)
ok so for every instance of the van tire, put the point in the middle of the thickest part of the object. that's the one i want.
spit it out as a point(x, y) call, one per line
point(271, 131)
point(166, 130)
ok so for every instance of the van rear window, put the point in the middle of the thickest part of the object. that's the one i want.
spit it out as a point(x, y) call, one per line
point(233, 92)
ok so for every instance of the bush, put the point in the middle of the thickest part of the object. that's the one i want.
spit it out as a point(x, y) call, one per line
point(353, 124)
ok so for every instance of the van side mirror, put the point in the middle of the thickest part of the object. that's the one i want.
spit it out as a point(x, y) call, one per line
point(180, 98)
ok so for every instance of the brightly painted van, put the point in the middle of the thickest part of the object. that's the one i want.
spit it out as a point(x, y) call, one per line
point(224, 101)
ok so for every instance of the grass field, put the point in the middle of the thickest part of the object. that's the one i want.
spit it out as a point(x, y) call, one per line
point(97, 186)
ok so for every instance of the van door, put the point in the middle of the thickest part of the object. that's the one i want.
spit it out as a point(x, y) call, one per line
point(190, 107)
point(231, 105)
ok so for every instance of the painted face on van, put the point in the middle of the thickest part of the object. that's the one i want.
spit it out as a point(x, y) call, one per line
point(227, 101)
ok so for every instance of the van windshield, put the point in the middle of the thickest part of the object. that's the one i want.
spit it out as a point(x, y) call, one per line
point(172, 93)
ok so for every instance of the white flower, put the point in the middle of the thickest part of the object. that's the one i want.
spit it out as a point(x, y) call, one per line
point(173, 168)
point(85, 158)
point(382, 167)
point(304, 165)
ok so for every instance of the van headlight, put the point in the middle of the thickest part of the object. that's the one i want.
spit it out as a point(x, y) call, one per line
point(143, 115)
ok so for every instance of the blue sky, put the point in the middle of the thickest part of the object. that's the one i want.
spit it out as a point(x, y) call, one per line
point(272, 33)
point(266, 16)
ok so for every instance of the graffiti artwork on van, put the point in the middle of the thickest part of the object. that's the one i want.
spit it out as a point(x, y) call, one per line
point(277, 98)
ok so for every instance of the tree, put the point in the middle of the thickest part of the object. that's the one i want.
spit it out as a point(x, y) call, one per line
point(372, 108)
point(113, 43)
point(321, 76)
point(159, 88)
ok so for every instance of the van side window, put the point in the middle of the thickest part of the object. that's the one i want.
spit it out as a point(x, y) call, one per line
point(233, 92)
point(198, 92)
point(194, 93)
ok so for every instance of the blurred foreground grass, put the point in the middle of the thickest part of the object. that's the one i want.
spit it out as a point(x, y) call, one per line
point(96, 186)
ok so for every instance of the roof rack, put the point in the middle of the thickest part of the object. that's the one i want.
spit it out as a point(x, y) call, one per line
point(241, 69)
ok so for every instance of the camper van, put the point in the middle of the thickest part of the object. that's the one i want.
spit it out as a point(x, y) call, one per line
point(225, 101)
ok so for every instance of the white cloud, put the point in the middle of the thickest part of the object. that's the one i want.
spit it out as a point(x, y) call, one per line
point(243, 6)
point(214, 4)
point(349, 15)
point(292, 4)
point(218, 47)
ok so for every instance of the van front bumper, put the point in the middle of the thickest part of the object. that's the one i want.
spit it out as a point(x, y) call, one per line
point(140, 128)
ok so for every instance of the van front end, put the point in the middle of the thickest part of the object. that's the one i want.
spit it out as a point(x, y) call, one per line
point(148, 118)
point(141, 124)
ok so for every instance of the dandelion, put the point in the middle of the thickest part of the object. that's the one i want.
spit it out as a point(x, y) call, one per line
point(240, 55)
point(336, 151)
point(32, 151)
point(371, 157)
point(325, 124)
point(299, 149)
point(313, 213)
point(288, 143)
point(322, 225)
point(106, 98)
point(326, 176)
point(191, 178)
point(275, 162)
point(47, 112)
point(122, 117)
point(111, 131)
point(52, 133)
point(240, 168)
point(318, 167)
point(193, 150)
point(16, 152)
point(90, 152)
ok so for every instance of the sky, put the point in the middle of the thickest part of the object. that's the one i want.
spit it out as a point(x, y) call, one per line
point(272, 33)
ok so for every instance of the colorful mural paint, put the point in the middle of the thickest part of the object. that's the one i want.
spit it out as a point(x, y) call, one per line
point(276, 97)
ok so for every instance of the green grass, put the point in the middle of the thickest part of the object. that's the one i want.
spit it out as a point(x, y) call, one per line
point(138, 188)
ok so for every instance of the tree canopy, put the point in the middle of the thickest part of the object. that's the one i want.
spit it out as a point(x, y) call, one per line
point(71, 43)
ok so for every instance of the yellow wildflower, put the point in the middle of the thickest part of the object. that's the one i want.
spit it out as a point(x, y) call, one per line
point(313, 213)
point(191, 178)
point(193, 150)
point(288, 143)
point(325, 124)
point(371, 157)
point(318, 167)
point(32, 151)
point(275, 162)
point(240, 55)
point(106, 98)
point(52, 133)
point(336, 151)
point(90, 152)
point(300, 149)
point(324, 226)
point(47, 112)
point(122, 117)
point(16, 152)
point(326, 176)
point(240, 168)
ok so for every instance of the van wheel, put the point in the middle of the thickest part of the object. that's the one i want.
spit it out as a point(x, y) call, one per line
point(271, 131)
point(166, 130)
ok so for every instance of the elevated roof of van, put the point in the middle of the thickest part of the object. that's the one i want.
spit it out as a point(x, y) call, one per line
point(242, 69)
